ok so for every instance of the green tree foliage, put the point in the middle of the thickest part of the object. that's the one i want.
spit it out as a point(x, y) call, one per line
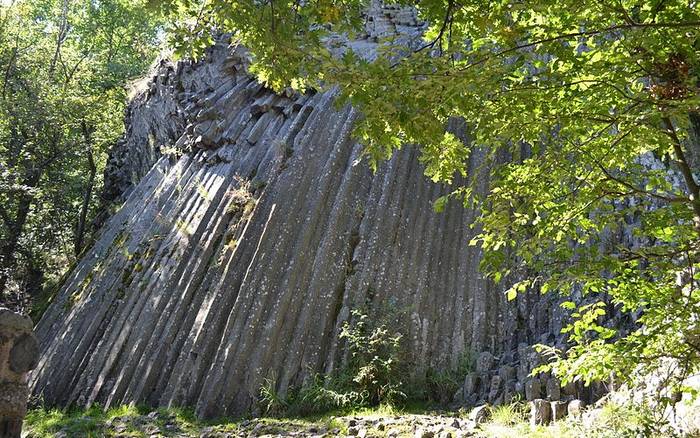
point(64, 65)
point(580, 114)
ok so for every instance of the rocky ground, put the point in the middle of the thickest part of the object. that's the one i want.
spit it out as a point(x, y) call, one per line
point(164, 424)
point(423, 426)
point(610, 421)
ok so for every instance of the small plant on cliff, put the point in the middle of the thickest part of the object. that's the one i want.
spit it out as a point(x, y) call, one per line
point(324, 394)
point(374, 363)
point(373, 374)
point(271, 401)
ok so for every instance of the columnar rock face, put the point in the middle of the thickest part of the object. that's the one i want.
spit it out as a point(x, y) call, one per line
point(243, 245)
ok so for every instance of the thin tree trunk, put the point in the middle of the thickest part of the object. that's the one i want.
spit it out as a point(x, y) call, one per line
point(15, 226)
point(62, 31)
point(686, 171)
point(82, 218)
point(9, 247)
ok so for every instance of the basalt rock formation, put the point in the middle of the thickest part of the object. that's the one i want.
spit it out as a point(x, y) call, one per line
point(249, 229)
point(19, 353)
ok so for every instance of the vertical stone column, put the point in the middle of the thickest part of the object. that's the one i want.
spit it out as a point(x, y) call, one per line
point(19, 353)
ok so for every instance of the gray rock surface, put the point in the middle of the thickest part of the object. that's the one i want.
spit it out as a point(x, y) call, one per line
point(533, 388)
point(249, 228)
point(559, 410)
point(18, 355)
point(540, 412)
point(575, 408)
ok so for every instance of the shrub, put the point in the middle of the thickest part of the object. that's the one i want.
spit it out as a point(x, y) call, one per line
point(440, 385)
point(374, 364)
point(373, 375)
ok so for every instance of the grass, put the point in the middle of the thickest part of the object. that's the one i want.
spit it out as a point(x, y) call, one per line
point(509, 415)
point(95, 422)
point(611, 421)
point(90, 422)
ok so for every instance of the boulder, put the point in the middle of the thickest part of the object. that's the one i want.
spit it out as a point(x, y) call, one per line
point(528, 358)
point(485, 362)
point(424, 433)
point(458, 396)
point(494, 388)
point(19, 353)
point(569, 390)
point(553, 388)
point(533, 388)
point(480, 414)
point(471, 384)
point(575, 408)
point(519, 387)
point(558, 410)
point(507, 372)
point(540, 412)
point(511, 391)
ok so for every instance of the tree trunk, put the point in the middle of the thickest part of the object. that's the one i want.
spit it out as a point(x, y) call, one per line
point(686, 171)
point(9, 247)
point(60, 37)
point(82, 218)
point(15, 227)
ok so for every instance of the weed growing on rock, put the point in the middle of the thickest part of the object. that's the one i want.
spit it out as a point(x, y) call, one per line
point(373, 374)
point(374, 362)
point(440, 385)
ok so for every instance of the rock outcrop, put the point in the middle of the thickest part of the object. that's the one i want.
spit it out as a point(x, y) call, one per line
point(250, 228)
point(19, 353)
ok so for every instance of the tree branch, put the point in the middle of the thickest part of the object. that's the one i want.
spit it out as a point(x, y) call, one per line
point(570, 35)
point(447, 20)
point(687, 173)
point(635, 189)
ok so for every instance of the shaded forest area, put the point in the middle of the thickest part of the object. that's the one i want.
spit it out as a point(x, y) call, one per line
point(67, 67)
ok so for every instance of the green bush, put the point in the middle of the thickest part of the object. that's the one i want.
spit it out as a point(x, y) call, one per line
point(373, 374)
point(374, 363)
point(440, 385)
